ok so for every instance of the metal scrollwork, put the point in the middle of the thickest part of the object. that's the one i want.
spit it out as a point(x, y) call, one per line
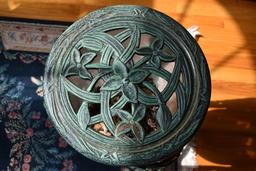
point(136, 83)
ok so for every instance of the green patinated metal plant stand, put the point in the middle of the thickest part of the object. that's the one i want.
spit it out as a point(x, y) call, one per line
point(127, 86)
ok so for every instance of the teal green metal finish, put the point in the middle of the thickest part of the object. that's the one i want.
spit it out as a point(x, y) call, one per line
point(103, 63)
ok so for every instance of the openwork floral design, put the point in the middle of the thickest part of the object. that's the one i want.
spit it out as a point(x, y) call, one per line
point(155, 54)
point(130, 122)
point(143, 85)
point(124, 80)
point(79, 64)
point(120, 73)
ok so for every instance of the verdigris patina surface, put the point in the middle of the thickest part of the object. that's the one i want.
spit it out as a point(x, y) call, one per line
point(126, 85)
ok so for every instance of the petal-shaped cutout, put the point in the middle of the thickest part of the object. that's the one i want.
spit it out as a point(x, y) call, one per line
point(124, 115)
point(163, 117)
point(87, 57)
point(138, 132)
point(166, 58)
point(144, 51)
point(139, 113)
point(72, 70)
point(83, 116)
point(137, 75)
point(157, 44)
point(122, 128)
point(156, 61)
point(84, 74)
point(76, 55)
point(130, 92)
point(119, 68)
point(113, 83)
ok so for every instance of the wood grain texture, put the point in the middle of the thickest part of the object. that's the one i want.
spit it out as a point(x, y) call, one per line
point(227, 138)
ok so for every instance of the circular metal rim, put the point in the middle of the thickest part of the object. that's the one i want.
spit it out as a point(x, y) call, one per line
point(171, 145)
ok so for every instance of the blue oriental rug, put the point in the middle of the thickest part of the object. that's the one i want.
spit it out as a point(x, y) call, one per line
point(28, 140)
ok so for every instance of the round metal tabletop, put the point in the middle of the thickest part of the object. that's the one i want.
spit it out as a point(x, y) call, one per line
point(126, 85)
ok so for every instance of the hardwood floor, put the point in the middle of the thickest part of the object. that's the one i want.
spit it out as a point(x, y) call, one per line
point(227, 138)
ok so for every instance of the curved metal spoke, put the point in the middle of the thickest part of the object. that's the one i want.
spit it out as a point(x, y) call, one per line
point(133, 44)
point(95, 119)
point(109, 40)
point(172, 79)
point(95, 79)
point(107, 117)
point(123, 35)
point(85, 95)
